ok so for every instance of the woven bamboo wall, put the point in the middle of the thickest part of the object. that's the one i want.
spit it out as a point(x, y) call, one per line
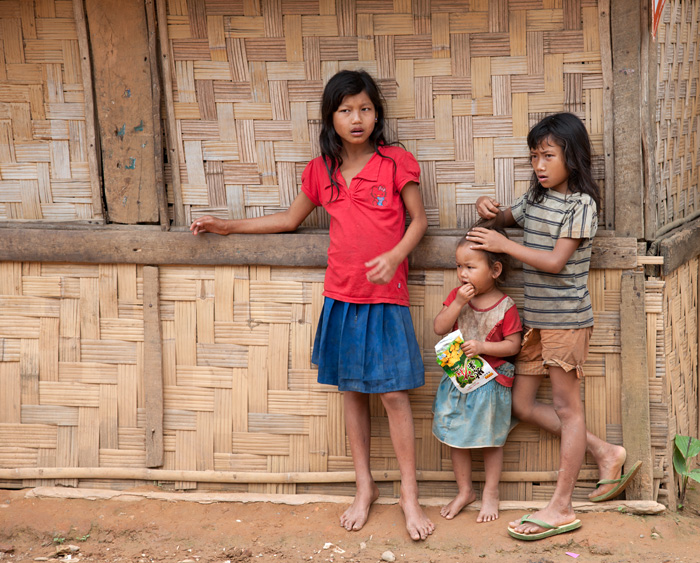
point(240, 393)
point(464, 81)
point(44, 172)
point(674, 385)
point(677, 186)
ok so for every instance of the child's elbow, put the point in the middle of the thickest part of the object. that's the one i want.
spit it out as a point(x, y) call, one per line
point(421, 222)
point(288, 223)
point(555, 267)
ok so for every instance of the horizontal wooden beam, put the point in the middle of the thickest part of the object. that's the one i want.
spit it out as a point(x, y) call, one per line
point(296, 499)
point(298, 249)
point(680, 246)
point(143, 474)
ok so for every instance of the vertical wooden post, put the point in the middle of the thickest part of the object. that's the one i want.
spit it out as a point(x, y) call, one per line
point(93, 148)
point(649, 69)
point(118, 35)
point(170, 121)
point(153, 367)
point(627, 85)
point(636, 419)
point(157, 137)
point(604, 28)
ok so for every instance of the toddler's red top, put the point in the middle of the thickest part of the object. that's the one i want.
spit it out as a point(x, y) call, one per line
point(509, 324)
point(368, 218)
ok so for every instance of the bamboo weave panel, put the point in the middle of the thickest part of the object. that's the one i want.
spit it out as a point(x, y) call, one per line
point(44, 173)
point(463, 84)
point(240, 392)
point(680, 335)
point(676, 191)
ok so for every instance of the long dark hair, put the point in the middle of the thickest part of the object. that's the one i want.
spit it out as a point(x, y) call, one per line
point(347, 83)
point(569, 132)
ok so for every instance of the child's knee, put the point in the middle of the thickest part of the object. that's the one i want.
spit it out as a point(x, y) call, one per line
point(395, 400)
point(522, 411)
point(568, 411)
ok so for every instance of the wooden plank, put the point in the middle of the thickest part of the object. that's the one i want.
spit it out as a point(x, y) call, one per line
point(629, 181)
point(93, 140)
point(650, 134)
point(153, 367)
point(170, 121)
point(159, 184)
point(679, 247)
point(306, 248)
point(124, 103)
point(636, 418)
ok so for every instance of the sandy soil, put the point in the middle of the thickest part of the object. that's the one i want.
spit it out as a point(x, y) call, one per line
point(34, 529)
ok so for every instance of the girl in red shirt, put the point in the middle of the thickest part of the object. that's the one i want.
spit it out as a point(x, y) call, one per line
point(365, 342)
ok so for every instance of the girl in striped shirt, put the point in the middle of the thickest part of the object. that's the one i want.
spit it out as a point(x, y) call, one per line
point(559, 217)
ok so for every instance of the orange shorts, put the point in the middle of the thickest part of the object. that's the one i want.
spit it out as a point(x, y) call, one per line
point(543, 347)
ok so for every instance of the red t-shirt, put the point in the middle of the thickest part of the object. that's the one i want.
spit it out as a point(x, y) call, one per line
point(509, 324)
point(367, 219)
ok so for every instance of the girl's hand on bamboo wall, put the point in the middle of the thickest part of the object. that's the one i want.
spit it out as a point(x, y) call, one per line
point(209, 224)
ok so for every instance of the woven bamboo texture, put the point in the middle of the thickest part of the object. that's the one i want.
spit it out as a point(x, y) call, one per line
point(463, 81)
point(672, 330)
point(44, 171)
point(240, 392)
point(677, 186)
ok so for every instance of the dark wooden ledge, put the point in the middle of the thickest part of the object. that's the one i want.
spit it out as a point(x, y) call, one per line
point(304, 248)
point(679, 246)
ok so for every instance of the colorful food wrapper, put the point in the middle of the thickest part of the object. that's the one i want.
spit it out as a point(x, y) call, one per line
point(466, 373)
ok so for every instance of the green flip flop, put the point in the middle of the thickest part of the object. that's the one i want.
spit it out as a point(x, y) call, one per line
point(622, 483)
point(550, 529)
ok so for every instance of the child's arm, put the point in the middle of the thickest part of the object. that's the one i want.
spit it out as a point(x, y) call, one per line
point(488, 208)
point(509, 346)
point(445, 319)
point(383, 267)
point(283, 221)
point(550, 261)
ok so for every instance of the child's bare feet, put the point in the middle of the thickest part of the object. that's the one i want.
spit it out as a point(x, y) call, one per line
point(418, 524)
point(610, 462)
point(548, 515)
point(462, 499)
point(357, 513)
point(489, 506)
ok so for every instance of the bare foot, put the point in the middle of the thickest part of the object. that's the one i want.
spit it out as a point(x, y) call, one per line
point(489, 507)
point(357, 513)
point(418, 524)
point(548, 515)
point(610, 464)
point(458, 503)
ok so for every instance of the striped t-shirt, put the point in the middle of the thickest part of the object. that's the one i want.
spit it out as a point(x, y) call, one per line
point(558, 300)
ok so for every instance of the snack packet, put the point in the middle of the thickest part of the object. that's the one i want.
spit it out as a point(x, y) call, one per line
point(466, 373)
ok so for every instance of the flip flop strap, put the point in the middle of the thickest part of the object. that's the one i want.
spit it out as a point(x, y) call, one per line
point(540, 523)
point(622, 478)
point(610, 481)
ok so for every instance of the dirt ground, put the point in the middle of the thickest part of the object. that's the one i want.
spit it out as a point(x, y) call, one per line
point(41, 529)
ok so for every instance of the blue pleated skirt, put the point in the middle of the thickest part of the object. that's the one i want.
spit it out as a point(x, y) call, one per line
point(479, 419)
point(368, 348)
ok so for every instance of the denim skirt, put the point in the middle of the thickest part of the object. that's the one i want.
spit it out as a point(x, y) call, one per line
point(368, 348)
point(478, 419)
